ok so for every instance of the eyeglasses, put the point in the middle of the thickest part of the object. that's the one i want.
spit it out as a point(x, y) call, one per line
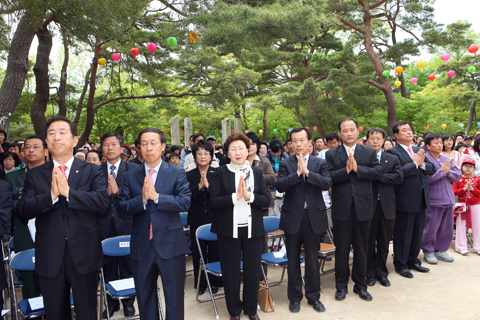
point(206, 154)
point(375, 139)
point(34, 147)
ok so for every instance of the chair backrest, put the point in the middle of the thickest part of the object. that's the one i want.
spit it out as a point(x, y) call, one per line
point(116, 246)
point(271, 224)
point(23, 261)
point(204, 233)
point(10, 243)
point(184, 216)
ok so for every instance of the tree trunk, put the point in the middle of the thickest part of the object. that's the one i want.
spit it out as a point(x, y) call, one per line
point(62, 105)
point(17, 68)
point(472, 109)
point(265, 125)
point(42, 82)
point(403, 88)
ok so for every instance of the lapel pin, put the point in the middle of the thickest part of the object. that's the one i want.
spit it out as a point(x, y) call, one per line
point(76, 171)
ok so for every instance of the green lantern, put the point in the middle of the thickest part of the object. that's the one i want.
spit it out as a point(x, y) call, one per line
point(472, 69)
point(386, 73)
point(275, 130)
point(172, 41)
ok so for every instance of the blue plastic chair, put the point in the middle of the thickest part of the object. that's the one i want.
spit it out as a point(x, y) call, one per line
point(213, 268)
point(25, 261)
point(119, 247)
point(184, 217)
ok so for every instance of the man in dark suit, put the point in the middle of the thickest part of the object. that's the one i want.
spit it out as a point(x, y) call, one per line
point(113, 170)
point(381, 226)
point(35, 153)
point(66, 196)
point(304, 217)
point(154, 195)
point(352, 168)
point(5, 221)
point(412, 197)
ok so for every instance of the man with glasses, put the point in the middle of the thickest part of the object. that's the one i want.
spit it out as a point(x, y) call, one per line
point(36, 151)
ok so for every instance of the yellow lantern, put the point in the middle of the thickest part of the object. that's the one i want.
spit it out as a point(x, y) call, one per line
point(421, 64)
point(196, 131)
point(260, 131)
point(443, 126)
point(102, 61)
point(399, 70)
point(398, 83)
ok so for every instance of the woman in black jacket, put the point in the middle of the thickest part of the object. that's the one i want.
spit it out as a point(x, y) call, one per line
point(237, 194)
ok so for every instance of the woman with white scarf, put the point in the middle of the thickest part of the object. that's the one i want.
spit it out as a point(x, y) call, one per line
point(237, 194)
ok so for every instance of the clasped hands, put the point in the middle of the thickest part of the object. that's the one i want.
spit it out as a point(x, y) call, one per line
point(302, 166)
point(203, 181)
point(446, 167)
point(59, 184)
point(351, 163)
point(468, 186)
point(148, 191)
point(419, 159)
point(112, 185)
point(242, 190)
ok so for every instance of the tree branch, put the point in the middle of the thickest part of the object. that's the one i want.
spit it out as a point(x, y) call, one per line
point(369, 81)
point(351, 25)
point(373, 6)
point(173, 8)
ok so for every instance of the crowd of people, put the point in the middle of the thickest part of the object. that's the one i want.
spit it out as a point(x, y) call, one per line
point(64, 201)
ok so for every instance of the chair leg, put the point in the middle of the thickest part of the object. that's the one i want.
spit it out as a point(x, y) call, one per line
point(266, 283)
point(160, 304)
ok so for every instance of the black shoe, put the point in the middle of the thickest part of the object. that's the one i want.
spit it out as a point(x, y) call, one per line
point(111, 311)
point(128, 311)
point(418, 267)
point(317, 306)
point(371, 282)
point(341, 294)
point(255, 317)
point(328, 258)
point(214, 289)
point(362, 293)
point(201, 291)
point(384, 282)
point(404, 273)
point(294, 307)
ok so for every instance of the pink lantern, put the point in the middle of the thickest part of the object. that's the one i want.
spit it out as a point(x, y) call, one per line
point(361, 128)
point(246, 131)
point(152, 47)
point(181, 131)
point(445, 57)
point(414, 81)
point(315, 128)
point(426, 128)
point(98, 138)
point(451, 74)
point(116, 57)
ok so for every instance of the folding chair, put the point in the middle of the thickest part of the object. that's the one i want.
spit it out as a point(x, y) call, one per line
point(25, 261)
point(119, 247)
point(213, 268)
point(184, 216)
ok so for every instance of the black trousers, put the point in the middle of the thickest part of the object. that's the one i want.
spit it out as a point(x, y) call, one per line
point(231, 251)
point(210, 254)
point(381, 231)
point(56, 292)
point(407, 237)
point(117, 268)
point(311, 243)
point(351, 232)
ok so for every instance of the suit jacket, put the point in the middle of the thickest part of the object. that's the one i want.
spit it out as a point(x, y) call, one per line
point(392, 175)
point(298, 191)
point(415, 186)
point(221, 188)
point(23, 239)
point(441, 185)
point(73, 222)
point(354, 186)
point(200, 211)
point(5, 220)
point(123, 226)
point(174, 197)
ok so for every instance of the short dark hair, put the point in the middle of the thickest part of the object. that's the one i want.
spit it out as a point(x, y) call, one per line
point(476, 144)
point(462, 144)
point(460, 133)
point(112, 134)
point(431, 137)
point(375, 130)
point(73, 126)
point(300, 129)
point(288, 140)
point(205, 145)
point(219, 147)
point(235, 137)
point(316, 138)
point(4, 133)
point(137, 142)
point(196, 135)
point(266, 144)
point(44, 143)
point(174, 147)
point(15, 157)
point(97, 152)
point(255, 139)
point(15, 144)
point(447, 136)
point(332, 136)
point(398, 124)
point(163, 139)
point(191, 137)
point(346, 119)
point(173, 155)
point(276, 145)
point(167, 151)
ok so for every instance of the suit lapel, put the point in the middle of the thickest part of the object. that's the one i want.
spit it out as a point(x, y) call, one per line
point(47, 172)
point(342, 154)
point(75, 173)
point(311, 163)
point(357, 154)
point(402, 152)
point(162, 176)
point(122, 168)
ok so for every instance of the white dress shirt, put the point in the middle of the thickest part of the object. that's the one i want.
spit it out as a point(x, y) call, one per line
point(68, 164)
point(154, 179)
point(347, 151)
point(117, 165)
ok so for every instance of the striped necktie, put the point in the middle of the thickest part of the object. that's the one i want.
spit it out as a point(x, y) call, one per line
point(150, 177)
point(112, 172)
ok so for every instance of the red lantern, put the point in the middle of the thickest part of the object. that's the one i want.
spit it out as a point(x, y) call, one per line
point(473, 49)
point(181, 131)
point(233, 131)
point(164, 132)
point(134, 52)
point(361, 128)
point(308, 128)
point(431, 77)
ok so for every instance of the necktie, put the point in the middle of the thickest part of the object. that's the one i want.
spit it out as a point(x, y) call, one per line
point(350, 150)
point(63, 169)
point(378, 157)
point(150, 177)
point(410, 152)
point(112, 172)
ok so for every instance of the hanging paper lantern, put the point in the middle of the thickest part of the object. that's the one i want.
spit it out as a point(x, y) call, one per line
point(308, 128)
point(164, 132)
point(386, 73)
point(398, 83)
point(443, 125)
point(431, 77)
point(193, 36)
point(98, 138)
point(421, 64)
point(361, 128)
point(246, 131)
point(414, 81)
point(134, 52)
point(233, 131)
point(472, 69)
point(290, 130)
point(399, 70)
point(428, 126)
point(445, 57)
point(473, 49)
point(116, 57)
point(172, 41)
point(478, 124)
point(260, 131)
point(315, 128)
point(102, 61)
point(275, 130)
point(196, 131)
point(451, 74)
point(220, 131)
point(181, 131)
point(461, 125)
point(152, 47)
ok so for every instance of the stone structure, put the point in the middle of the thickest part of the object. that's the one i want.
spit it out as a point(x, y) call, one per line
point(175, 131)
